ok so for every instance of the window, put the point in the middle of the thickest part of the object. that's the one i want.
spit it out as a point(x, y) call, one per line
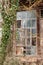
point(42, 13)
point(26, 32)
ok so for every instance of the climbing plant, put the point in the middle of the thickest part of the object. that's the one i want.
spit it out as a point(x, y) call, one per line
point(8, 18)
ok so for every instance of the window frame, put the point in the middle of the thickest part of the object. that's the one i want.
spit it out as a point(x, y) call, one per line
point(40, 12)
point(30, 38)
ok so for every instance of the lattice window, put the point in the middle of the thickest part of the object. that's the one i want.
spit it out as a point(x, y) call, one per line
point(41, 13)
point(26, 33)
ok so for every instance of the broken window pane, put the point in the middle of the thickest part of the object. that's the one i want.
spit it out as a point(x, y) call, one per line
point(33, 41)
point(27, 50)
point(18, 23)
point(24, 52)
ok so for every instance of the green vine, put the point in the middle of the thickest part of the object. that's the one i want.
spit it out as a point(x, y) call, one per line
point(8, 19)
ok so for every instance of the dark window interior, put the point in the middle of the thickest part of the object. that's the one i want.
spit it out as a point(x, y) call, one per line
point(41, 13)
point(34, 41)
point(24, 52)
point(18, 23)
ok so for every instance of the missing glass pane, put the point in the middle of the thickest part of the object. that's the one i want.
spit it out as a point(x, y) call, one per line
point(33, 41)
point(24, 52)
point(18, 23)
point(24, 47)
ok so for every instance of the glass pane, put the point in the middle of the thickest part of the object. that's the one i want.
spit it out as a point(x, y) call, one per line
point(33, 50)
point(21, 15)
point(31, 14)
point(18, 36)
point(24, 23)
point(29, 22)
point(33, 23)
point(28, 41)
point(23, 41)
point(34, 32)
point(33, 41)
point(26, 14)
point(28, 50)
point(18, 23)
point(23, 32)
point(28, 32)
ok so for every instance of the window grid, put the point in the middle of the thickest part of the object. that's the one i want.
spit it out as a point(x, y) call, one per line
point(25, 45)
point(40, 13)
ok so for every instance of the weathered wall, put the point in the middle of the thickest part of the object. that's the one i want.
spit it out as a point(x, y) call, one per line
point(41, 35)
